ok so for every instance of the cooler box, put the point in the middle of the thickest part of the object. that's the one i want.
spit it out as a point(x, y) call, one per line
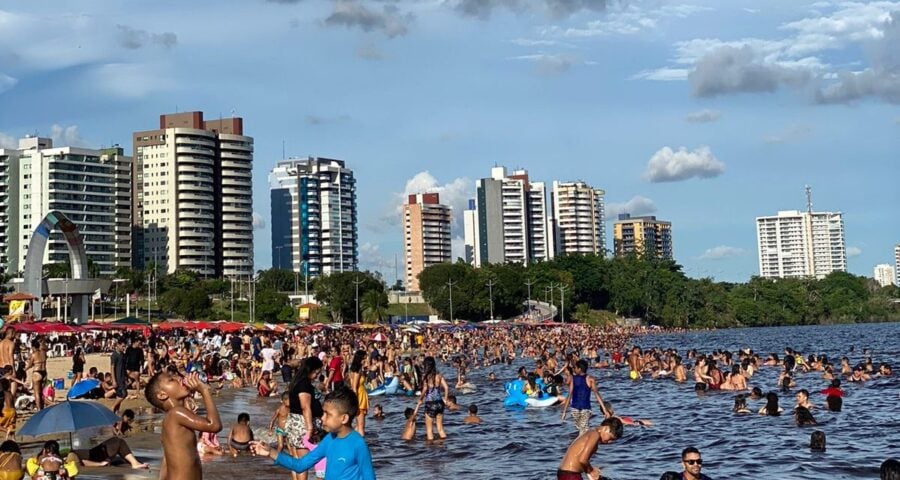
point(59, 384)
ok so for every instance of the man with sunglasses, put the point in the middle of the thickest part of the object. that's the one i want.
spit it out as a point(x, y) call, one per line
point(690, 458)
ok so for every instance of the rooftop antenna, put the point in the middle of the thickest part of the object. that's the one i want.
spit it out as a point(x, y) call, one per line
point(282, 149)
point(808, 199)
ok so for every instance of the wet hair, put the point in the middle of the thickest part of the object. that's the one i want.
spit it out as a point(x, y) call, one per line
point(10, 446)
point(817, 441)
point(408, 413)
point(151, 391)
point(582, 365)
point(836, 383)
point(615, 426)
point(357, 363)
point(700, 387)
point(756, 392)
point(772, 404)
point(834, 402)
point(786, 383)
point(430, 368)
point(740, 402)
point(128, 413)
point(4, 385)
point(804, 391)
point(452, 398)
point(805, 417)
point(473, 409)
point(307, 366)
point(243, 417)
point(285, 396)
point(688, 450)
point(51, 447)
point(345, 401)
point(670, 476)
point(890, 469)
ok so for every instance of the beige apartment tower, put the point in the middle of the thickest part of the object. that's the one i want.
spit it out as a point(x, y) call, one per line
point(642, 236)
point(426, 235)
point(193, 198)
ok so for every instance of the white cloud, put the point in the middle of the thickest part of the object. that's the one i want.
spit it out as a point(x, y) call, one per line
point(389, 20)
point(721, 252)
point(664, 74)
point(637, 206)
point(789, 134)
point(667, 165)
point(854, 251)
point(6, 82)
point(371, 258)
point(552, 64)
point(129, 80)
point(258, 222)
point(630, 19)
point(456, 194)
point(67, 136)
point(8, 141)
point(703, 116)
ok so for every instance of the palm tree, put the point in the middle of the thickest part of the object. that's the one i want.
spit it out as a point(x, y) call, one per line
point(374, 304)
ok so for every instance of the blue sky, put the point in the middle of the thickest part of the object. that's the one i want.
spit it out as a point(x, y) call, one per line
point(703, 113)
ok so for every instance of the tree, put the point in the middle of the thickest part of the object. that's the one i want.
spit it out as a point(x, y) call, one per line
point(338, 291)
point(277, 279)
point(374, 305)
point(270, 305)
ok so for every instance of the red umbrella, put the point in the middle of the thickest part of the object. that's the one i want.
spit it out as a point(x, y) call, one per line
point(379, 337)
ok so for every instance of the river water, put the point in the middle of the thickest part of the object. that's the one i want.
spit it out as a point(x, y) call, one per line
point(529, 443)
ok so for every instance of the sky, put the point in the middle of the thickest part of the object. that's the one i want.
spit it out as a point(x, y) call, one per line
point(703, 113)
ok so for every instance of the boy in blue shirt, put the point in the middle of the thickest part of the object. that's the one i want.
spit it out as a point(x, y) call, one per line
point(345, 450)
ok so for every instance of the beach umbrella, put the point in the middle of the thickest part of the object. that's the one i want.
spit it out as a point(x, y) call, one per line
point(82, 387)
point(379, 337)
point(68, 417)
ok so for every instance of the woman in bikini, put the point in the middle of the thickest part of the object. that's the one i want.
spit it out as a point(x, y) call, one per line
point(358, 386)
point(38, 365)
point(433, 395)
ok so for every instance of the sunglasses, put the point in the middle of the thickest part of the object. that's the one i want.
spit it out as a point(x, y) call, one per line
point(692, 462)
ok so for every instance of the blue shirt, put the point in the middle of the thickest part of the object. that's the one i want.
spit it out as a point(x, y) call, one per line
point(348, 458)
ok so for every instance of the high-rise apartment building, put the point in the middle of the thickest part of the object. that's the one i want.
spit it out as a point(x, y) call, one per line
point(122, 185)
point(643, 236)
point(470, 231)
point(314, 229)
point(884, 275)
point(795, 244)
point(897, 263)
point(511, 222)
point(193, 196)
point(578, 218)
point(426, 235)
point(36, 179)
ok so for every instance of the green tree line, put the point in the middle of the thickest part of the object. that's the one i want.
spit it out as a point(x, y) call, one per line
point(655, 290)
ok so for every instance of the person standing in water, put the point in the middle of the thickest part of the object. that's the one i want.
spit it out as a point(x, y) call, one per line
point(580, 388)
point(434, 394)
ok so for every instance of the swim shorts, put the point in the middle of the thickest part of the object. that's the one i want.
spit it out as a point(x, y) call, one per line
point(581, 418)
point(567, 475)
point(435, 408)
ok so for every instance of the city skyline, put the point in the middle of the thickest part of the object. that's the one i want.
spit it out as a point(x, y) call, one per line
point(652, 102)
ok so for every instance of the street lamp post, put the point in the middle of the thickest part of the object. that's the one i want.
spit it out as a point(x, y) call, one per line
point(562, 303)
point(356, 283)
point(528, 284)
point(66, 303)
point(116, 282)
point(451, 283)
point(490, 286)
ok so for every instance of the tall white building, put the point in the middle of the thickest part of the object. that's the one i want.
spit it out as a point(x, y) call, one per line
point(578, 218)
point(193, 196)
point(314, 219)
point(884, 274)
point(795, 244)
point(510, 220)
point(470, 231)
point(36, 179)
point(897, 264)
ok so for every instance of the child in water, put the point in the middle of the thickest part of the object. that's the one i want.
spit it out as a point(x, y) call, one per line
point(409, 430)
point(241, 435)
point(279, 419)
point(473, 415)
point(345, 449)
point(168, 392)
point(378, 412)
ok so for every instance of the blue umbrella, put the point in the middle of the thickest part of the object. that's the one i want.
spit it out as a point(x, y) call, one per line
point(67, 417)
point(82, 388)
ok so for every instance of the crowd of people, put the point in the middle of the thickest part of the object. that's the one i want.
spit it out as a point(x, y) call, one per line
point(322, 377)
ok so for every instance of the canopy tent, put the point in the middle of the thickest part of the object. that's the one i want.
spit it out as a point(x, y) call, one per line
point(45, 327)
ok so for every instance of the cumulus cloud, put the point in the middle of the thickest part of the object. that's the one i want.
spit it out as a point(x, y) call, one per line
point(66, 136)
point(703, 116)
point(637, 206)
point(134, 39)
point(456, 194)
point(6, 82)
point(664, 74)
point(667, 165)
point(721, 252)
point(735, 70)
point(789, 134)
point(258, 222)
point(352, 14)
point(372, 259)
point(854, 251)
point(628, 19)
point(551, 64)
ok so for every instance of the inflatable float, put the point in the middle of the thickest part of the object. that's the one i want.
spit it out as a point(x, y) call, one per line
point(389, 387)
point(515, 396)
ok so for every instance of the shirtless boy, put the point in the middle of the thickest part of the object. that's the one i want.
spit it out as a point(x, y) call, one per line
point(409, 430)
point(240, 436)
point(473, 415)
point(168, 393)
point(578, 457)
